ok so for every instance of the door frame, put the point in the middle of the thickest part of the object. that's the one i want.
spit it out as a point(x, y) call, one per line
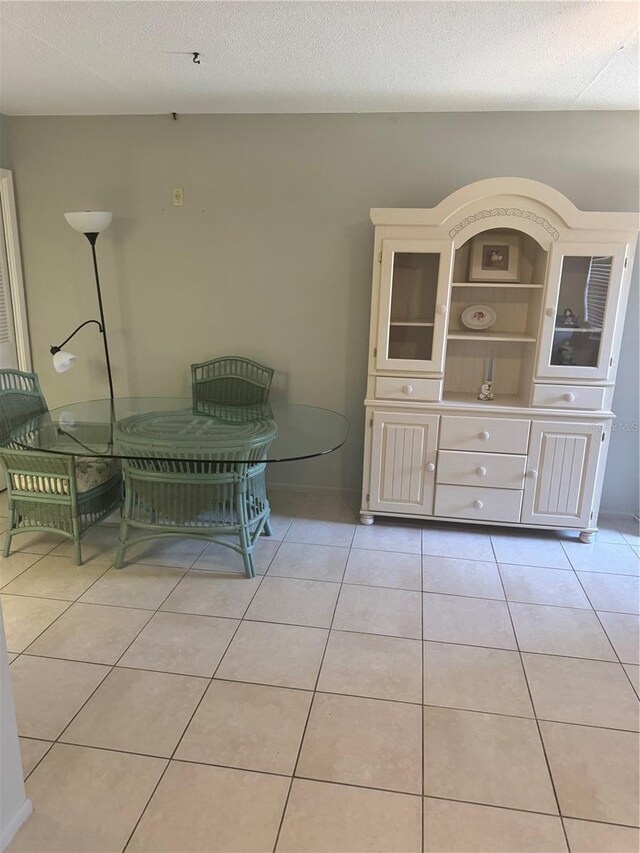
point(14, 266)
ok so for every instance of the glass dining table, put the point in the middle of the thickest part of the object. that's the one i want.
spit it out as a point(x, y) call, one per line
point(177, 428)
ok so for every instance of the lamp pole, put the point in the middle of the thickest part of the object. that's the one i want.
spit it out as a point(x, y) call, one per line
point(91, 223)
point(92, 237)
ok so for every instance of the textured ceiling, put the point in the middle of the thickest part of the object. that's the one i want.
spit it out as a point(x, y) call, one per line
point(104, 57)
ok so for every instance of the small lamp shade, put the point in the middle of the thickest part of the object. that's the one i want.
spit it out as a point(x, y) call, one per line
point(62, 361)
point(89, 221)
point(67, 421)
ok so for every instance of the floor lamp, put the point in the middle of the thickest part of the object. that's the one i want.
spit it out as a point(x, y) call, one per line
point(91, 223)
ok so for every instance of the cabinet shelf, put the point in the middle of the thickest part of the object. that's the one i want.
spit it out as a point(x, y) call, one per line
point(502, 284)
point(470, 400)
point(518, 337)
point(418, 323)
point(575, 329)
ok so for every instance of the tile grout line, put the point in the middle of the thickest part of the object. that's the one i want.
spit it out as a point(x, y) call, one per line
point(17, 654)
point(311, 704)
point(204, 693)
point(615, 651)
point(197, 706)
point(314, 692)
point(316, 580)
point(102, 680)
point(338, 630)
point(112, 666)
point(37, 560)
point(537, 722)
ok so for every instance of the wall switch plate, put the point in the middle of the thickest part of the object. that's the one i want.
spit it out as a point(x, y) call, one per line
point(178, 197)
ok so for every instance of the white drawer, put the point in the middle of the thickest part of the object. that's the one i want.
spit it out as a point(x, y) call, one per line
point(405, 388)
point(477, 503)
point(568, 396)
point(497, 435)
point(496, 470)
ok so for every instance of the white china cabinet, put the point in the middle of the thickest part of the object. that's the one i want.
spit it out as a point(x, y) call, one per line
point(543, 288)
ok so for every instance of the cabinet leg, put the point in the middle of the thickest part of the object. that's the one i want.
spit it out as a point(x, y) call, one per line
point(588, 535)
point(366, 518)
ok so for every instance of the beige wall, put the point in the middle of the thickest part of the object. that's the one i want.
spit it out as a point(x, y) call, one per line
point(5, 162)
point(271, 255)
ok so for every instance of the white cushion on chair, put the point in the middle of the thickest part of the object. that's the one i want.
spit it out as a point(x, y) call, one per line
point(91, 472)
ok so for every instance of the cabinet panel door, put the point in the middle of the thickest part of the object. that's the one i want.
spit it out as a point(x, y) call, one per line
point(562, 465)
point(579, 321)
point(412, 316)
point(403, 457)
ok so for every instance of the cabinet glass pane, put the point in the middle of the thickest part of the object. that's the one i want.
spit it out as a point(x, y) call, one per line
point(584, 287)
point(414, 286)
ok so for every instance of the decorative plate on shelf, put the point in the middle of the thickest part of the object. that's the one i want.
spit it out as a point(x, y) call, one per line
point(478, 317)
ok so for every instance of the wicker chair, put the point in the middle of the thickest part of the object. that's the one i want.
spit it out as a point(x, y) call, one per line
point(46, 491)
point(197, 499)
point(230, 381)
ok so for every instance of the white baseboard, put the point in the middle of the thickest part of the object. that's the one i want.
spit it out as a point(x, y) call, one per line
point(9, 832)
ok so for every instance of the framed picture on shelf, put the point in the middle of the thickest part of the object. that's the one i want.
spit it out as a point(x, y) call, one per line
point(495, 257)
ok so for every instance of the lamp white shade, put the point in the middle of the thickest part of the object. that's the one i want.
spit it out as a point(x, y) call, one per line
point(67, 421)
point(62, 361)
point(89, 221)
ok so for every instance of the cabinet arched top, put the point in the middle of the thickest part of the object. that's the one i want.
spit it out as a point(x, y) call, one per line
point(518, 203)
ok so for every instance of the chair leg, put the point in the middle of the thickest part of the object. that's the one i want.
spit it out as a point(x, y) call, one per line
point(243, 533)
point(8, 536)
point(122, 543)
point(11, 512)
point(267, 530)
point(77, 548)
point(247, 559)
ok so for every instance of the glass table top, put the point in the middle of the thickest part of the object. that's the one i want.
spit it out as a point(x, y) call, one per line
point(176, 428)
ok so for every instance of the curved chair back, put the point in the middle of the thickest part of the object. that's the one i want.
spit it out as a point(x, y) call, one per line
point(194, 487)
point(42, 487)
point(230, 380)
point(21, 399)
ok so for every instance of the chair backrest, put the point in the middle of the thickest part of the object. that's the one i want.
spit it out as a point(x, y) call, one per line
point(21, 399)
point(176, 443)
point(231, 380)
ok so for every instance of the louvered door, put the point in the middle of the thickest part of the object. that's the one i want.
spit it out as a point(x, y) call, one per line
point(403, 457)
point(8, 352)
point(561, 473)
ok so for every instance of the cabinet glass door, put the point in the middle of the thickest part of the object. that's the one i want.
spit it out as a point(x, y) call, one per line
point(578, 327)
point(414, 284)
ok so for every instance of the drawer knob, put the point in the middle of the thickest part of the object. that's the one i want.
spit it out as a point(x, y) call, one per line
point(485, 436)
point(481, 472)
point(478, 504)
point(550, 312)
point(441, 309)
point(431, 466)
point(533, 474)
point(569, 397)
point(408, 389)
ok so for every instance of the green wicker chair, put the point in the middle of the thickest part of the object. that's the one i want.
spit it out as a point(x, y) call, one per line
point(230, 380)
point(196, 498)
point(48, 492)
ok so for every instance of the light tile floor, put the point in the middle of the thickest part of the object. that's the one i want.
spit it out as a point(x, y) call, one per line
point(396, 688)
